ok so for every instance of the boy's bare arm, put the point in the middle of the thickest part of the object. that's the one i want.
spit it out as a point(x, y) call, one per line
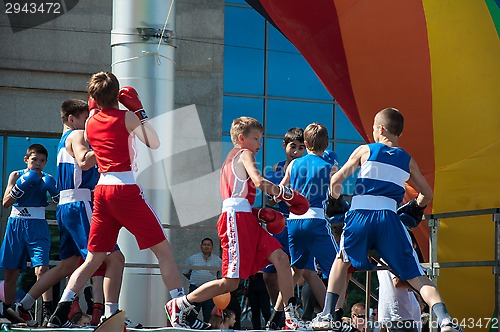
point(144, 131)
point(426, 194)
point(7, 198)
point(81, 150)
point(248, 160)
point(354, 161)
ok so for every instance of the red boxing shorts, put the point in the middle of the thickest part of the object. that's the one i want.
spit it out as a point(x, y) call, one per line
point(117, 206)
point(245, 244)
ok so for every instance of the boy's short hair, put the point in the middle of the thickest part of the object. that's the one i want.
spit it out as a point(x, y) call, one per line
point(37, 148)
point(243, 125)
point(316, 136)
point(73, 107)
point(392, 120)
point(294, 134)
point(104, 88)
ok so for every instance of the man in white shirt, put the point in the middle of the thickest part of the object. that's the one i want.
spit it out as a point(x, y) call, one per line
point(204, 267)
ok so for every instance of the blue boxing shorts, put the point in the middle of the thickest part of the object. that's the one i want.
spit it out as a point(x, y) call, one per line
point(309, 239)
point(74, 226)
point(383, 231)
point(25, 238)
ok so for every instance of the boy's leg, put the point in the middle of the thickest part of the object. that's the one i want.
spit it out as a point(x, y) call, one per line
point(168, 268)
point(10, 285)
point(431, 296)
point(39, 272)
point(112, 284)
point(285, 280)
point(179, 310)
point(317, 286)
point(336, 287)
point(50, 278)
point(75, 285)
point(271, 281)
point(24, 309)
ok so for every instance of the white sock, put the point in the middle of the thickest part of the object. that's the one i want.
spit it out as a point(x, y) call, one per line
point(110, 308)
point(27, 301)
point(178, 292)
point(67, 296)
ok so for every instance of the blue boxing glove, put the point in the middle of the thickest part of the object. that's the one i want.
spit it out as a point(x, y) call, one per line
point(413, 210)
point(24, 182)
point(49, 184)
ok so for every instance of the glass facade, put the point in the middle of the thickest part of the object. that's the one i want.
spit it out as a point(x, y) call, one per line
point(265, 77)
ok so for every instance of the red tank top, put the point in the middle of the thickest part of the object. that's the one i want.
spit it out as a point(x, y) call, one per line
point(110, 140)
point(230, 185)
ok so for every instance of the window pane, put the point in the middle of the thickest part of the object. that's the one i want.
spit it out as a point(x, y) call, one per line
point(243, 27)
point(344, 128)
point(240, 2)
point(16, 150)
point(278, 42)
point(283, 115)
point(234, 107)
point(243, 70)
point(274, 153)
point(291, 76)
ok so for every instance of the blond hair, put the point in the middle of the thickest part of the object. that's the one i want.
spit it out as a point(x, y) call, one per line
point(243, 125)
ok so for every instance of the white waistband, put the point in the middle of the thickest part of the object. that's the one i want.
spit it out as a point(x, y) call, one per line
point(368, 202)
point(117, 178)
point(312, 213)
point(74, 195)
point(236, 205)
point(27, 212)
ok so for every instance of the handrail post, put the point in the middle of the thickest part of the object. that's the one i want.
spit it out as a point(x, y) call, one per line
point(433, 272)
point(367, 300)
point(496, 268)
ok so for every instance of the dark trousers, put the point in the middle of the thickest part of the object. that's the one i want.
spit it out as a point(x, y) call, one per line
point(259, 300)
point(206, 306)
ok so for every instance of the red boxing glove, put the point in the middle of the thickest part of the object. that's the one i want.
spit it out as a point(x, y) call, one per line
point(129, 98)
point(93, 107)
point(274, 220)
point(298, 203)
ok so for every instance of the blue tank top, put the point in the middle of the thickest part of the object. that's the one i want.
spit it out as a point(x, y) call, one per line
point(36, 196)
point(384, 173)
point(310, 176)
point(276, 177)
point(69, 174)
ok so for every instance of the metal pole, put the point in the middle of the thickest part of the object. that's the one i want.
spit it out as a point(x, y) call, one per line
point(433, 263)
point(143, 57)
point(496, 268)
point(367, 301)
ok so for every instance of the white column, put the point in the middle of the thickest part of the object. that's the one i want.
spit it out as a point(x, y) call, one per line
point(140, 58)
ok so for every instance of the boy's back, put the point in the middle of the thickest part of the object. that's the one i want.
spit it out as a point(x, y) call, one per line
point(310, 176)
point(384, 173)
point(110, 140)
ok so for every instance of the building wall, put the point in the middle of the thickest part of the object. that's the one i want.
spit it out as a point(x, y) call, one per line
point(44, 65)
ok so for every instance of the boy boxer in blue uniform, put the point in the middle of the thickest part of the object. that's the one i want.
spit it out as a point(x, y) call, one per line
point(27, 234)
point(372, 221)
